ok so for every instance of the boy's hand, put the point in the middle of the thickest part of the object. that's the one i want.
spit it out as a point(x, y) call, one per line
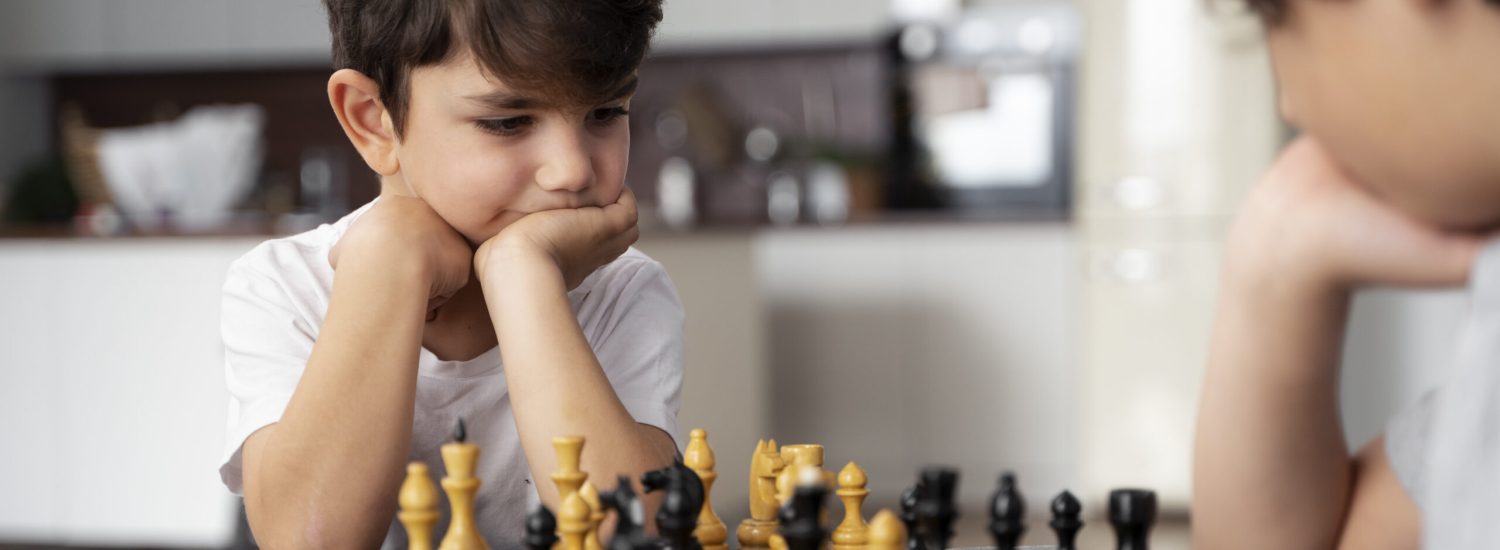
point(576, 240)
point(400, 232)
point(1308, 227)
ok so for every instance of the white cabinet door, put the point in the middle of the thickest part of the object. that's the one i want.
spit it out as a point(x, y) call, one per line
point(114, 360)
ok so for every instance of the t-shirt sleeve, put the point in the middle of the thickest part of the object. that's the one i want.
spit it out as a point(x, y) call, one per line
point(1406, 444)
point(641, 347)
point(266, 346)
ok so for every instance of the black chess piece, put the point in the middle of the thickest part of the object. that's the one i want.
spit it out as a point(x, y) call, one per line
point(935, 507)
point(678, 514)
point(1007, 513)
point(541, 529)
point(630, 526)
point(1132, 513)
point(1066, 519)
point(909, 515)
point(801, 522)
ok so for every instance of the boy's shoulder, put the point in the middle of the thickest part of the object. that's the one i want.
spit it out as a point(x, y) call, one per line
point(297, 263)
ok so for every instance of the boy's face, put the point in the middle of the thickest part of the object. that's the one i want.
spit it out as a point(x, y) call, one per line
point(1404, 94)
point(482, 154)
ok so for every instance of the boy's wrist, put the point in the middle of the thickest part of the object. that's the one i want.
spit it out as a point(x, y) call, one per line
point(500, 264)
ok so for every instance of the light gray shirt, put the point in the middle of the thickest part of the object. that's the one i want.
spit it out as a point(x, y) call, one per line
point(1445, 448)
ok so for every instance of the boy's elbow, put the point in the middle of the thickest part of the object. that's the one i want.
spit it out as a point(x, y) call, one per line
point(296, 516)
point(277, 526)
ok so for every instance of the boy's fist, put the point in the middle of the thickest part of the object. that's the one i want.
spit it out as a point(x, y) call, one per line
point(400, 233)
point(1307, 223)
point(577, 240)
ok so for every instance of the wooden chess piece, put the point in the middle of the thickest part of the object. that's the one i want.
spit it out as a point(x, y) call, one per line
point(711, 531)
point(1007, 513)
point(887, 532)
point(630, 517)
point(1132, 512)
point(459, 459)
point(806, 454)
point(590, 496)
point(852, 533)
point(541, 529)
point(765, 464)
point(936, 510)
point(682, 502)
point(908, 515)
point(573, 522)
point(1066, 522)
point(418, 499)
point(801, 518)
point(568, 478)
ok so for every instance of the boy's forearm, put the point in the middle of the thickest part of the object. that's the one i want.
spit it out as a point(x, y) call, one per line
point(329, 472)
point(1271, 466)
point(556, 384)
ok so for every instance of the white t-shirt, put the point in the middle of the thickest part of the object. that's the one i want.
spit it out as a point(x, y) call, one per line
point(1445, 449)
point(275, 300)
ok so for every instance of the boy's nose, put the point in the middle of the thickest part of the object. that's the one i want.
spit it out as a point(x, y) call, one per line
point(569, 168)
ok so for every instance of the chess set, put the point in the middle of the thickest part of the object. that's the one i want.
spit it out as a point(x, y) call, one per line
point(788, 491)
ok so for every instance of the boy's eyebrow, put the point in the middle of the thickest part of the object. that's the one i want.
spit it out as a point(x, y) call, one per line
point(505, 99)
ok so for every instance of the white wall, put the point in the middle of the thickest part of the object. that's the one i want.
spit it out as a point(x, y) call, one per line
point(913, 345)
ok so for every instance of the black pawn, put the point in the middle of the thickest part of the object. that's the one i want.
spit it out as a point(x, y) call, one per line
point(1066, 522)
point(909, 515)
point(1132, 513)
point(935, 507)
point(541, 529)
point(680, 506)
point(801, 519)
point(1007, 513)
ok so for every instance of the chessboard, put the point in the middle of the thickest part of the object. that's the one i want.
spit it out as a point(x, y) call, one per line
point(789, 493)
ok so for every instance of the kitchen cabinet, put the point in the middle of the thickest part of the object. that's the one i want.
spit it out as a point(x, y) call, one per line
point(113, 393)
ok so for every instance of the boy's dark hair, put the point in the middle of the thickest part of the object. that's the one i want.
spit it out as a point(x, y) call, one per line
point(1275, 11)
point(572, 51)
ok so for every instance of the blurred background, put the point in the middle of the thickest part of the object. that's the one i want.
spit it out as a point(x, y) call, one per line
point(979, 233)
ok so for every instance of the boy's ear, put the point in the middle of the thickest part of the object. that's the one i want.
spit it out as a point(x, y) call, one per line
point(355, 99)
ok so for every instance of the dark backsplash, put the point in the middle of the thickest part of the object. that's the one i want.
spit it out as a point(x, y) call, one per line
point(825, 102)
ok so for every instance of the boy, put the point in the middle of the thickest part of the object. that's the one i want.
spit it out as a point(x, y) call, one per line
point(1395, 181)
point(491, 279)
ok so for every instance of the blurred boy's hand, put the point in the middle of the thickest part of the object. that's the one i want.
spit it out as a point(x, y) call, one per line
point(1308, 227)
point(402, 232)
point(576, 240)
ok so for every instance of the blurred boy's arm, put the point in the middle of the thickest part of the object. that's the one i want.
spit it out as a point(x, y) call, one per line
point(1271, 469)
point(326, 474)
point(556, 384)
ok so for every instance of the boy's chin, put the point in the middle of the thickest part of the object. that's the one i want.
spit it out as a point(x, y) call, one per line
point(1456, 215)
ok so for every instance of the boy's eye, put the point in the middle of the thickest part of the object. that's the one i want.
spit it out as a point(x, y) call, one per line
point(607, 115)
point(503, 126)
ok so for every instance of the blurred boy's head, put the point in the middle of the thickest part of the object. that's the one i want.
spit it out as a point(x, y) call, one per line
point(1404, 93)
point(490, 109)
